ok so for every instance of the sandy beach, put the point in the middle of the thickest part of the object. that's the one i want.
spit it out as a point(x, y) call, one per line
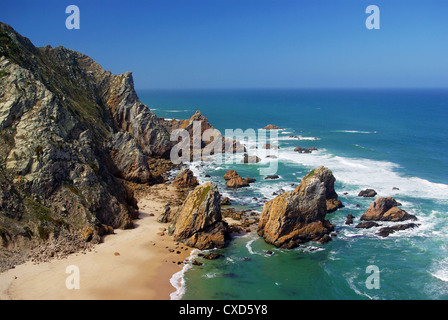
point(130, 264)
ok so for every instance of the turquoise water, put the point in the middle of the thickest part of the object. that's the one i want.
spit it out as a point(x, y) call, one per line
point(377, 139)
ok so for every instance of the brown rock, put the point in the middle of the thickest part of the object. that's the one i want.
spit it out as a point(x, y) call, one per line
point(185, 178)
point(386, 231)
point(237, 182)
point(231, 174)
point(297, 217)
point(368, 193)
point(198, 222)
point(272, 127)
point(385, 209)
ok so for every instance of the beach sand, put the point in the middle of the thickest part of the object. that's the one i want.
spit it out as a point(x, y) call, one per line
point(130, 264)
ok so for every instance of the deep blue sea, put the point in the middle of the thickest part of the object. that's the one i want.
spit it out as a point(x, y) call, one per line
point(380, 139)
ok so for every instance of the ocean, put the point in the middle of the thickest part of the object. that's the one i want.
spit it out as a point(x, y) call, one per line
point(390, 140)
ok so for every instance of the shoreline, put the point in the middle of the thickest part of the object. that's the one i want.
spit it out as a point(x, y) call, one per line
point(137, 259)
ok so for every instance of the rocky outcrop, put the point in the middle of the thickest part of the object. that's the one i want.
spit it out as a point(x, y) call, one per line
point(272, 127)
point(299, 216)
point(198, 222)
point(70, 133)
point(250, 159)
point(326, 176)
point(234, 180)
point(196, 126)
point(386, 231)
point(185, 178)
point(305, 150)
point(386, 209)
point(367, 193)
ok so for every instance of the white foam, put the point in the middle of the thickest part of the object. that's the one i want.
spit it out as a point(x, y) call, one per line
point(441, 271)
point(178, 279)
point(356, 131)
point(382, 176)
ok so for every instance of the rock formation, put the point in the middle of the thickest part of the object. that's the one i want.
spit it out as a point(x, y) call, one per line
point(272, 127)
point(386, 209)
point(326, 176)
point(198, 222)
point(185, 178)
point(299, 216)
point(198, 143)
point(305, 150)
point(70, 133)
point(368, 193)
point(250, 159)
point(234, 180)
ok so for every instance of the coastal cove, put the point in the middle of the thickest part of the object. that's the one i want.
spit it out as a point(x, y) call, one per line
point(386, 140)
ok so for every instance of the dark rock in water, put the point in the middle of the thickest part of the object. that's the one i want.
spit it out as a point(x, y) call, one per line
point(386, 231)
point(305, 150)
point(207, 176)
point(349, 220)
point(395, 188)
point(250, 180)
point(213, 255)
point(368, 193)
point(367, 225)
point(272, 177)
point(196, 263)
point(269, 252)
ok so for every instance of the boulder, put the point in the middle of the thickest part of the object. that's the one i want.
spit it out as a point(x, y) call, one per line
point(185, 178)
point(349, 219)
point(333, 205)
point(305, 150)
point(230, 174)
point(386, 209)
point(386, 231)
point(250, 159)
point(237, 182)
point(198, 222)
point(368, 193)
point(272, 177)
point(297, 217)
point(225, 201)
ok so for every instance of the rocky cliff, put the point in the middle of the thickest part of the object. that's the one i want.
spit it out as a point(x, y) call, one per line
point(71, 133)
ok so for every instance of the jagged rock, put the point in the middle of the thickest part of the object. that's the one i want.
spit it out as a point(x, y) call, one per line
point(198, 142)
point(230, 174)
point(234, 180)
point(326, 176)
point(185, 178)
point(305, 150)
point(225, 201)
point(250, 159)
point(237, 182)
point(366, 225)
point(368, 193)
point(349, 219)
point(198, 222)
point(386, 231)
point(386, 209)
point(297, 217)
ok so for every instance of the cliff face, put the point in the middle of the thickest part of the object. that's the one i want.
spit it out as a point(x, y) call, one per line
point(69, 132)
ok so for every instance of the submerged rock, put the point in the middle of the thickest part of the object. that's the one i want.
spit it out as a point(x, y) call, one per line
point(386, 231)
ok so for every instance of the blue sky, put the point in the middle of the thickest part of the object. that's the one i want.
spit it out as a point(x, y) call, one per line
point(185, 44)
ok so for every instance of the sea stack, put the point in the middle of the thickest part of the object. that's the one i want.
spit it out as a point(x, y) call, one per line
point(297, 217)
point(198, 222)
